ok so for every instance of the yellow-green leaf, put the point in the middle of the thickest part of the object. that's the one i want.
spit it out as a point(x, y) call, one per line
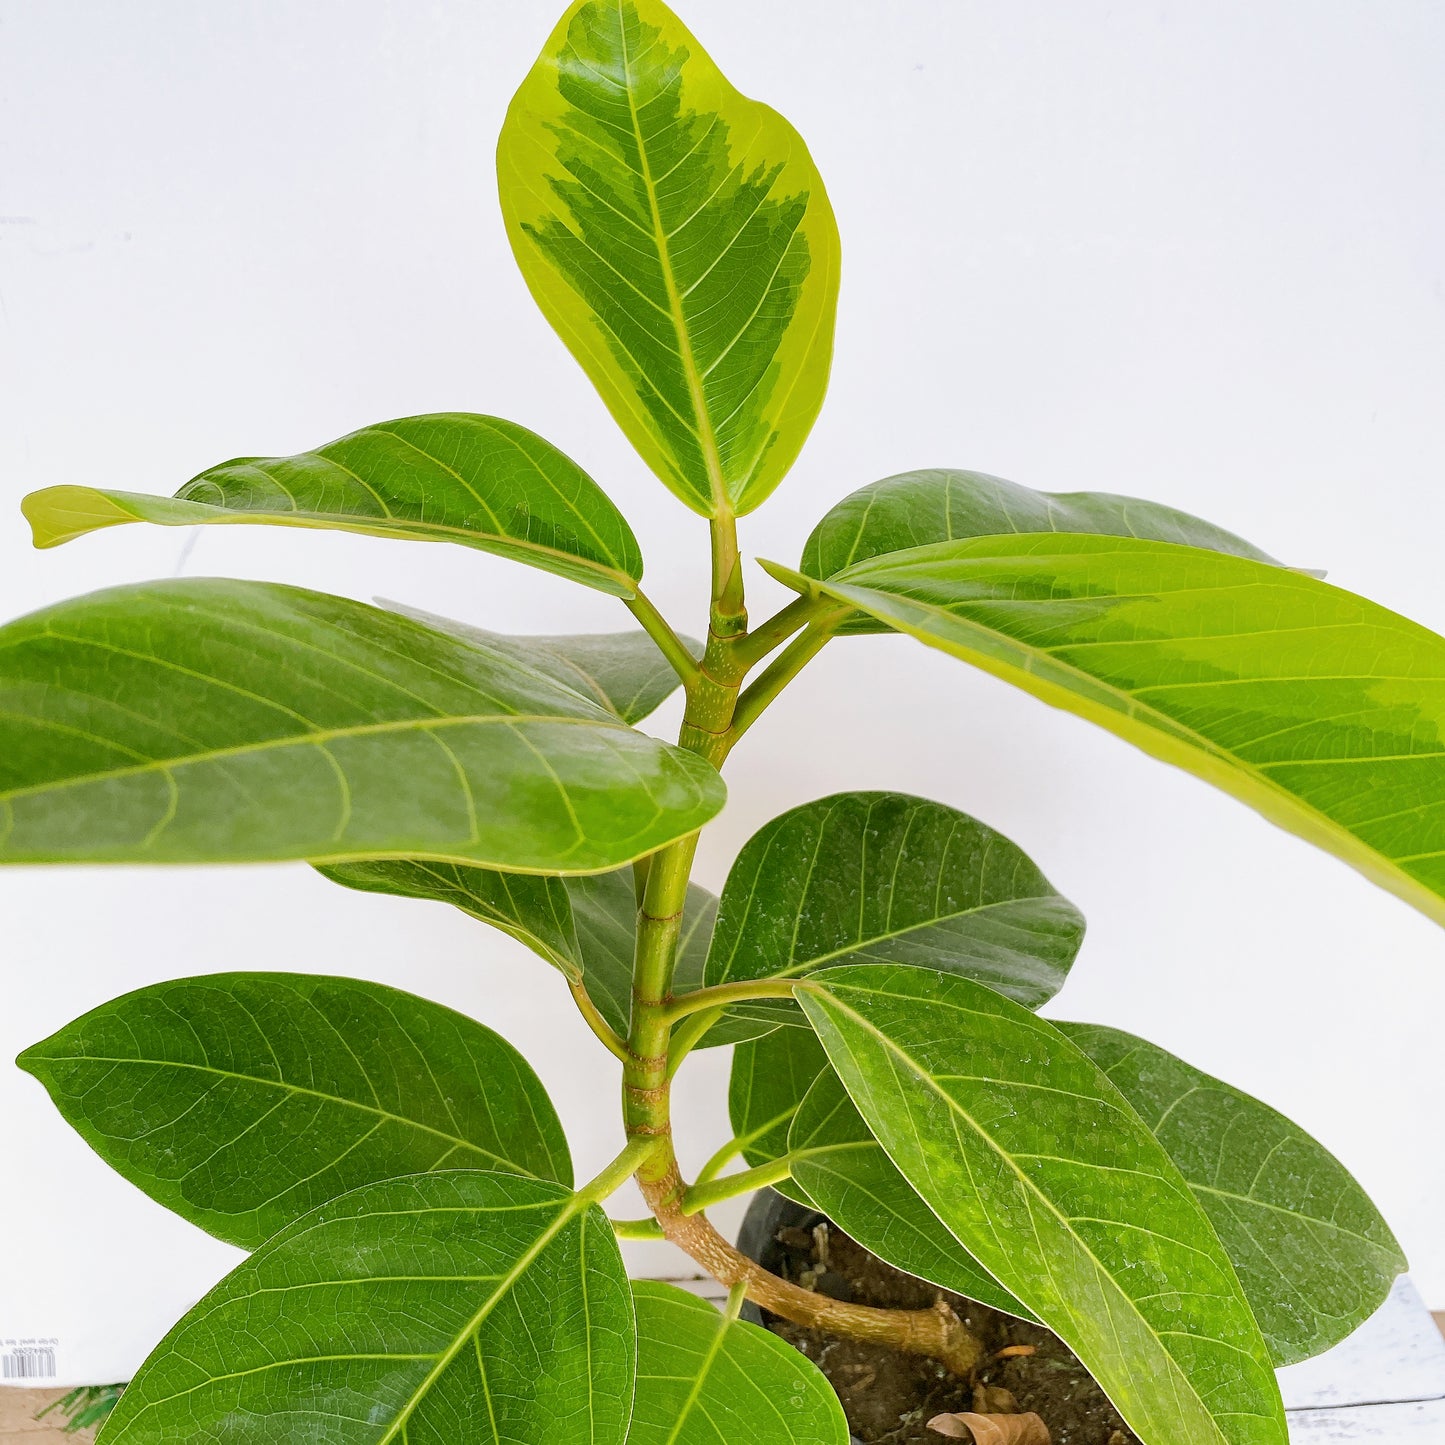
point(1323, 711)
point(677, 236)
point(1041, 1169)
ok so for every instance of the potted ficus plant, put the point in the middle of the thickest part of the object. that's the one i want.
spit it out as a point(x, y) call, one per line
point(423, 1266)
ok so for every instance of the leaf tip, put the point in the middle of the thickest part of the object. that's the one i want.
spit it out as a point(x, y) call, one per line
point(58, 514)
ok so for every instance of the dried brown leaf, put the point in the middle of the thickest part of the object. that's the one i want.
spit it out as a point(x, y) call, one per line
point(993, 1429)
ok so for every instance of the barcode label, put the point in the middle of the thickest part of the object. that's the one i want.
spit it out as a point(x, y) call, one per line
point(28, 1362)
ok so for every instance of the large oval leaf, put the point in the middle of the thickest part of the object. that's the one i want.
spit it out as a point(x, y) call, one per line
point(1323, 711)
point(886, 877)
point(917, 509)
point(624, 672)
point(452, 477)
point(678, 238)
point(218, 721)
point(1313, 1254)
point(705, 1379)
point(840, 1167)
point(586, 927)
point(1041, 1169)
point(244, 1100)
point(449, 1307)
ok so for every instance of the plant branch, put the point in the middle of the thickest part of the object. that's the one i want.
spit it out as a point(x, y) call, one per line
point(620, 1170)
point(937, 1333)
point(779, 628)
point(703, 1195)
point(646, 1104)
point(647, 1228)
point(686, 1038)
point(723, 994)
point(721, 1159)
point(714, 718)
point(785, 667)
point(614, 1041)
point(669, 643)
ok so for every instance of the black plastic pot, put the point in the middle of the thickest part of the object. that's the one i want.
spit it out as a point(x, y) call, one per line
point(758, 1238)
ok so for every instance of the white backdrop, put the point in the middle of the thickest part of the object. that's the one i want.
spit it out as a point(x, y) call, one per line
point(1190, 252)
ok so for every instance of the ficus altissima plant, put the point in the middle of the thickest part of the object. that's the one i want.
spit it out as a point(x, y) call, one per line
point(424, 1267)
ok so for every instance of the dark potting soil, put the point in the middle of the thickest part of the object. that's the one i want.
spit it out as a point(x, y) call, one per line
point(880, 1387)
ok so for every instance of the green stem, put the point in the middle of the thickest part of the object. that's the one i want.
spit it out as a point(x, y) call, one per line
point(720, 1160)
point(619, 1171)
point(647, 1228)
point(688, 1036)
point(780, 627)
point(784, 668)
point(704, 1196)
point(729, 612)
point(669, 643)
point(646, 1106)
point(723, 994)
point(615, 1043)
point(709, 730)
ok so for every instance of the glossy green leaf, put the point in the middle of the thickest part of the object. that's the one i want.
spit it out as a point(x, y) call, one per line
point(841, 1168)
point(884, 877)
point(216, 721)
point(452, 477)
point(1321, 710)
point(1313, 1254)
point(703, 1379)
point(917, 509)
point(1041, 1169)
point(432, 1310)
point(769, 1079)
point(586, 927)
point(678, 238)
point(621, 671)
point(244, 1100)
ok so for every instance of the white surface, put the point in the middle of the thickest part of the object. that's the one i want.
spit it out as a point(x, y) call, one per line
point(1180, 251)
point(1421, 1423)
point(1397, 1354)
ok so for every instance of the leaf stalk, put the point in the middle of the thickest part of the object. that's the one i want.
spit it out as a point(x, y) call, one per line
point(704, 1195)
point(613, 1041)
point(723, 995)
point(784, 668)
point(668, 642)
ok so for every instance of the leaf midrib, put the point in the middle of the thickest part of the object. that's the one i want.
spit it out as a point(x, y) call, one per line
point(702, 421)
point(317, 738)
point(572, 1206)
point(284, 1086)
point(306, 517)
point(944, 918)
point(1177, 1374)
point(709, 1359)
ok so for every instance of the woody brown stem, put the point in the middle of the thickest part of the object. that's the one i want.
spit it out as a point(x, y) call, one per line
point(937, 1332)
